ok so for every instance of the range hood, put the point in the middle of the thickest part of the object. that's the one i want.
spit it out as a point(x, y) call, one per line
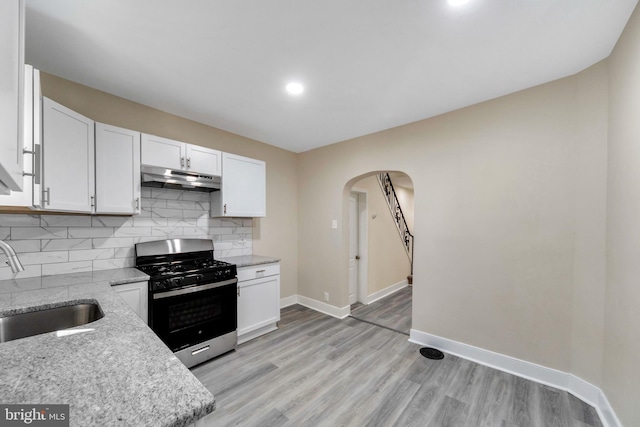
point(158, 177)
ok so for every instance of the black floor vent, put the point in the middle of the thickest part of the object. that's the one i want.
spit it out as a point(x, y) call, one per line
point(431, 353)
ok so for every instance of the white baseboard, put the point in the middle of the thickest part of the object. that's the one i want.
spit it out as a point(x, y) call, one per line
point(385, 292)
point(552, 377)
point(325, 308)
point(287, 301)
point(322, 307)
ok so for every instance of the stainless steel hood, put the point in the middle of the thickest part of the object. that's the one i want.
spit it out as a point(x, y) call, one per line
point(158, 177)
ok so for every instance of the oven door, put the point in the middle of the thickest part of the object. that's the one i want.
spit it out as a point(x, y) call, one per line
point(189, 316)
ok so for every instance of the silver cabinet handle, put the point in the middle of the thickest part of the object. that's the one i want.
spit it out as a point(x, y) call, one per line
point(47, 199)
point(93, 201)
point(137, 203)
point(225, 208)
point(32, 152)
point(188, 162)
point(37, 165)
point(260, 271)
point(182, 162)
point(238, 290)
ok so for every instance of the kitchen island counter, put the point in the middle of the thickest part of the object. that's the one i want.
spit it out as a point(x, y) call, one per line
point(114, 371)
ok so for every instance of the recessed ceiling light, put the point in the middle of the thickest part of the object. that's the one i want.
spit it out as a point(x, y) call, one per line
point(457, 2)
point(294, 88)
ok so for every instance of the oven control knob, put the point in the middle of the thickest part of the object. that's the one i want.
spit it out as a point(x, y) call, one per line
point(177, 281)
point(200, 276)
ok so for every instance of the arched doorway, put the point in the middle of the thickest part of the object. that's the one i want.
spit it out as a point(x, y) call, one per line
point(380, 225)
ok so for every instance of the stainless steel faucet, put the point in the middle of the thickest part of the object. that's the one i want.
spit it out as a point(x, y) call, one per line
point(12, 258)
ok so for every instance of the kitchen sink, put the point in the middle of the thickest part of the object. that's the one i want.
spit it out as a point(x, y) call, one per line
point(38, 322)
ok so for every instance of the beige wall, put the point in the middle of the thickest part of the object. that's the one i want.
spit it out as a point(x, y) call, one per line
point(501, 221)
point(621, 374)
point(388, 263)
point(275, 235)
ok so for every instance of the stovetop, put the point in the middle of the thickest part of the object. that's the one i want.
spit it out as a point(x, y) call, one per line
point(178, 268)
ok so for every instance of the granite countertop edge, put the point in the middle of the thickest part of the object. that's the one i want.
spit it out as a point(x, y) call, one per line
point(111, 371)
point(249, 260)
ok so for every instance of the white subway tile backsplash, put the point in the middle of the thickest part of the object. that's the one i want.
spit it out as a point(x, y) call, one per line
point(124, 253)
point(196, 196)
point(25, 245)
point(19, 233)
point(171, 204)
point(33, 258)
point(91, 254)
point(154, 203)
point(167, 232)
point(182, 222)
point(5, 233)
point(65, 244)
point(132, 232)
point(65, 221)
point(161, 193)
point(220, 231)
point(29, 271)
point(106, 264)
point(16, 220)
point(150, 222)
point(66, 267)
point(113, 242)
point(57, 244)
point(166, 213)
point(111, 221)
point(90, 232)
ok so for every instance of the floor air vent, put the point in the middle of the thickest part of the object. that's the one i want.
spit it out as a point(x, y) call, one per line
point(431, 353)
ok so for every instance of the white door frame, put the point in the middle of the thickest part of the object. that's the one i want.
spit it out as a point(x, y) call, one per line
point(363, 244)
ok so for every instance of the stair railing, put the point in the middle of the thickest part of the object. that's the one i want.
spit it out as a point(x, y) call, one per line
point(396, 212)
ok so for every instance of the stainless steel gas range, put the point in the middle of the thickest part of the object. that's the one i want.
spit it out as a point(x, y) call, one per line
point(192, 297)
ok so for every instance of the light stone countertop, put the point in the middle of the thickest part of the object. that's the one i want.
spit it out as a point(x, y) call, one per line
point(118, 372)
point(249, 260)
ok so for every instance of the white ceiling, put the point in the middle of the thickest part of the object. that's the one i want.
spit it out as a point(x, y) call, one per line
point(367, 65)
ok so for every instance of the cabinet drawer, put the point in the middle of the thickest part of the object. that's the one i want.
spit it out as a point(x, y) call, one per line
point(257, 271)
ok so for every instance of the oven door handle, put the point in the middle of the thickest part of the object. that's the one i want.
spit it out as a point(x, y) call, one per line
point(194, 289)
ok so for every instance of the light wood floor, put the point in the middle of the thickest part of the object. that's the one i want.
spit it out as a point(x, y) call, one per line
point(320, 371)
point(393, 311)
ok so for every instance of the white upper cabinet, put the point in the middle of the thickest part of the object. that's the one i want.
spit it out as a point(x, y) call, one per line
point(203, 160)
point(11, 86)
point(243, 192)
point(163, 152)
point(117, 170)
point(176, 155)
point(31, 140)
point(68, 157)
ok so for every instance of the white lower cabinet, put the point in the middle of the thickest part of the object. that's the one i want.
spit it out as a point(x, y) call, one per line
point(135, 295)
point(258, 300)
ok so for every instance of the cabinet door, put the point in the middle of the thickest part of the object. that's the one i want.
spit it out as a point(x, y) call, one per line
point(258, 303)
point(203, 160)
point(68, 156)
point(135, 295)
point(163, 152)
point(243, 192)
point(24, 198)
point(117, 170)
point(11, 81)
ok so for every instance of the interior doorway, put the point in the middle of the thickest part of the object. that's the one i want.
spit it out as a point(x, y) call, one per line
point(380, 264)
